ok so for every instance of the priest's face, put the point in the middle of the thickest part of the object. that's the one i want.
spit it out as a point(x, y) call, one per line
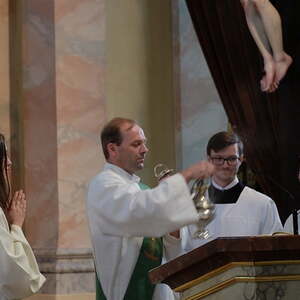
point(227, 162)
point(130, 154)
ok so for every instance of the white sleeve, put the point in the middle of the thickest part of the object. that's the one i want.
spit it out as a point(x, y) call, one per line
point(172, 247)
point(19, 273)
point(272, 221)
point(185, 237)
point(118, 208)
point(288, 225)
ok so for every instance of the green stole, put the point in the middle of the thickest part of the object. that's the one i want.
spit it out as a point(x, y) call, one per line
point(140, 287)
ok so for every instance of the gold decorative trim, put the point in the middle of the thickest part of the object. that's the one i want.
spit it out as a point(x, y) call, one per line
point(237, 279)
point(230, 266)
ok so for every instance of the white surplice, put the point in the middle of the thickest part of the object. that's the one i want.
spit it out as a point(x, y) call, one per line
point(289, 225)
point(19, 273)
point(120, 215)
point(253, 214)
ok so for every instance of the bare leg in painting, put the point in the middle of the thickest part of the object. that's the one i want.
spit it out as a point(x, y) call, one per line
point(265, 26)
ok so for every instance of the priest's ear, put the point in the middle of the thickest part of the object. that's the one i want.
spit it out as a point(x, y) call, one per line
point(242, 158)
point(112, 150)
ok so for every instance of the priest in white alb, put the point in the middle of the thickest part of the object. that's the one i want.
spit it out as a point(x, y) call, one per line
point(129, 224)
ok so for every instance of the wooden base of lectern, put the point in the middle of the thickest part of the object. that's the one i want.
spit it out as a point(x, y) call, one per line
point(239, 268)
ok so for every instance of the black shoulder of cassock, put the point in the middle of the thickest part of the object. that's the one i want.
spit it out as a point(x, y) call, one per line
point(225, 196)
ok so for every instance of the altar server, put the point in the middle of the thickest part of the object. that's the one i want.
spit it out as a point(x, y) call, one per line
point(240, 210)
point(127, 223)
point(19, 273)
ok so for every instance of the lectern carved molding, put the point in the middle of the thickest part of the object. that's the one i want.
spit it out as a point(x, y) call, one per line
point(237, 267)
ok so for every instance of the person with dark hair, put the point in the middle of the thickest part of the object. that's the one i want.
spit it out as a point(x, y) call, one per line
point(129, 223)
point(264, 24)
point(240, 210)
point(19, 273)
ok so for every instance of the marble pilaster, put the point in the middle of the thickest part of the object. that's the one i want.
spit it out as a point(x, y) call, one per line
point(79, 40)
point(59, 111)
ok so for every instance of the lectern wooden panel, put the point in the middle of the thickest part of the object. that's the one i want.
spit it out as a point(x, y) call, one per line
point(265, 267)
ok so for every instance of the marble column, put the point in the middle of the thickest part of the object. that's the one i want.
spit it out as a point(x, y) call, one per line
point(59, 108)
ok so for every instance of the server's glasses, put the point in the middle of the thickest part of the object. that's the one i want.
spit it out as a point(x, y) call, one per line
point(219, 161)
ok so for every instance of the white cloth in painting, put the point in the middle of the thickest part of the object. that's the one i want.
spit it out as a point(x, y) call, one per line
point(253, 214)
point(19, 273)
point(120, 215)
point(289, 225)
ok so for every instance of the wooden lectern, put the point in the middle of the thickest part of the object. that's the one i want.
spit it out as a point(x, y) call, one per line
point(236, 268)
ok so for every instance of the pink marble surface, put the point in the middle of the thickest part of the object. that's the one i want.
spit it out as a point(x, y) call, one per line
point(80, 33)
point(63, 110)
point(37, 145)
